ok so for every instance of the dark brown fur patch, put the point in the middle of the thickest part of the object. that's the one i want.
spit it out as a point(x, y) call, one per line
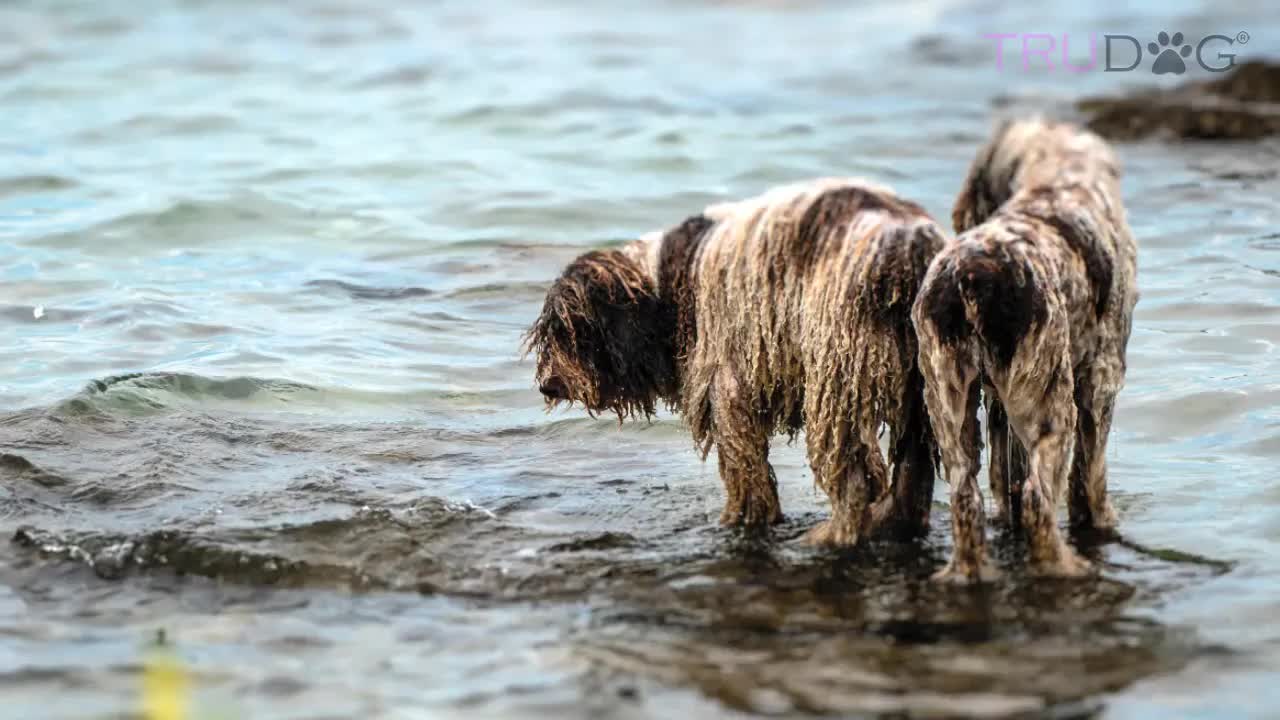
point(913, 450)
point(1008, 300)
point(830, 214)
point(1003, 290)
point(1081, 237)
point(945, 308)
point(678, 283)
point(901, 263)
point(603, 336)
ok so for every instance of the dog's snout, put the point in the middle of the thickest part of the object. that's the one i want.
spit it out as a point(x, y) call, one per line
point(553, 389)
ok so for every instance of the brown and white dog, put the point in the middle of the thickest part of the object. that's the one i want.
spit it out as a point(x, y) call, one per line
point(783, 312)
point(1033, 303)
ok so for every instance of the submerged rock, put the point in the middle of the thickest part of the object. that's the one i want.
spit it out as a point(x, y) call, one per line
point(1241, 105)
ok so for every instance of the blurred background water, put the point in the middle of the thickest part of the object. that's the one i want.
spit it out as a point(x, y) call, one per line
point(264, 268)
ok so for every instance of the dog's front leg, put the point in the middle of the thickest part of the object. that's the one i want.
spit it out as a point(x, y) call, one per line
point(742, 446)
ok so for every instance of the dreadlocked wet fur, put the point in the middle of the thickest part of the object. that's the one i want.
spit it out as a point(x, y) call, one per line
point(1032, 303)
point(787, 311)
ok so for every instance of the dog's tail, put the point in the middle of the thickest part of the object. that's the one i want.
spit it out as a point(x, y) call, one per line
point(1028, 153)
point(985, 295)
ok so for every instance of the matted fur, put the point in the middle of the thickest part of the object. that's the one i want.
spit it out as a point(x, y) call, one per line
point(601, 339)
point(783, 312)
point(1034, 300)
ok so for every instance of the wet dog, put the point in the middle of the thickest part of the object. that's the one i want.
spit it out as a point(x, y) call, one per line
point(783, 312)
point(1033, 303)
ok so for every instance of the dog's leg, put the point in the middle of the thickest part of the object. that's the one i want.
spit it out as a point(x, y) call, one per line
point(1043, 415)
point(742, 446)
point(913, 464)
point(951, 390)
point(998, 447)
point(1019, 468)
point(848, 482)
point(1008, 462)
point(1095, 397)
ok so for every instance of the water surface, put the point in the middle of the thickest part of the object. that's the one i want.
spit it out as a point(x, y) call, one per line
point(264, 269)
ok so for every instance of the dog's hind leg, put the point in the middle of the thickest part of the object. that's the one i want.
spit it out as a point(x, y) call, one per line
point(1007, 470)
point(1097, 384)
point(843, 452)
point(853, 478)
point(1037, 391)
point(998, 447)
point(951, 391)
point(913, 452)
point(742, 446)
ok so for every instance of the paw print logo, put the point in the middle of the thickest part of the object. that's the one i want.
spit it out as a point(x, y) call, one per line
point(1167, 60)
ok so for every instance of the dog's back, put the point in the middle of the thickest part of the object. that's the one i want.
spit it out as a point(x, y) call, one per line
point(813, 279)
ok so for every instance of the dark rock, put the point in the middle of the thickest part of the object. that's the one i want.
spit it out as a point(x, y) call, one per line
point(1242, 105)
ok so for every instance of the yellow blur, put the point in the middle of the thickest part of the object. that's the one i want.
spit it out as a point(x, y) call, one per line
point(164, 688)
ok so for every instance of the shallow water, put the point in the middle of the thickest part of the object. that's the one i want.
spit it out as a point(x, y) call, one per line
point(263, 274)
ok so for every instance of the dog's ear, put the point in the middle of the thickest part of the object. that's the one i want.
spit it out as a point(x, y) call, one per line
point(638, 340)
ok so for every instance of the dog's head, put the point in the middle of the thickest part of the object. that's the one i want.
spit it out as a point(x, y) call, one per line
point(603, 339)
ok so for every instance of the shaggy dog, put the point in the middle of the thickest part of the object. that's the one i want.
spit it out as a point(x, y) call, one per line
point(784, 312)
point(1034, 300)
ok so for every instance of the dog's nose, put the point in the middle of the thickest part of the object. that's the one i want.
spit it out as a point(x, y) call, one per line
point(553, 389)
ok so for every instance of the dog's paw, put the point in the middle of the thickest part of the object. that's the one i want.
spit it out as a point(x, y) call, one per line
point(1098, 528)
point(1105, 522)
point(752, 515)
point(966, 573)
point(1002, 516)
point(831, 534)
point(1068, 564)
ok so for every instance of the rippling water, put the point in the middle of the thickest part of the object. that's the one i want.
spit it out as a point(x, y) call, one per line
point(263, 272)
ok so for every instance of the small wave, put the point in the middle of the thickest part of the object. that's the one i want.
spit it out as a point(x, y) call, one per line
point(160, 125)
point(149, 392)
point(23, 184)
point(189, 223)
point(598, 542)
point(370, 292)
point(1265, 242)
point(236, 388)
point(17, 467)
point(373, 549)
point(113, 556)
point(527, 290)
point(408, 75)
point(649, 105)
point(31, 314)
